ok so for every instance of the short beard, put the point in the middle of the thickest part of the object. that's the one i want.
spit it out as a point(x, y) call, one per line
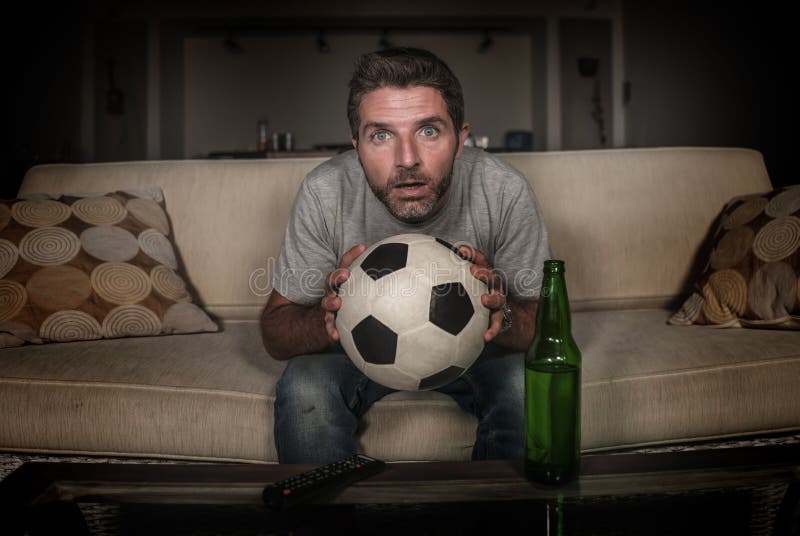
point(415, 211)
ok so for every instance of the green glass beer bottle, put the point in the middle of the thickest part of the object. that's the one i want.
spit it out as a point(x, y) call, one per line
point(553, 387)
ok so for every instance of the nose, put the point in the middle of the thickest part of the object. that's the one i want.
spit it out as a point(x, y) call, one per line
point(406, 155)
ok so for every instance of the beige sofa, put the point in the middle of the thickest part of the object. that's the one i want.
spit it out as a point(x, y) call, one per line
point(629, 224)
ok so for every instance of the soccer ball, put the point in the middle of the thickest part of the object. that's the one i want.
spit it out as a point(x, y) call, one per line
point(411, 315)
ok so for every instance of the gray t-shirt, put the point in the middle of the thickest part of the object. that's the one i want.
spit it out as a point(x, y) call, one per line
point(491, 207)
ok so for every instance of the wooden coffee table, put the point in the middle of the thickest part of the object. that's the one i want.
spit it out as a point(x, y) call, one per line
point(754, 490)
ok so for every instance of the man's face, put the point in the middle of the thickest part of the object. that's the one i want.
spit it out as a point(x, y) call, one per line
point(407, 144)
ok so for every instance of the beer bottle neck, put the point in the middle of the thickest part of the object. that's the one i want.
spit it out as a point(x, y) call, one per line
point(553, 343)
point(553, 317)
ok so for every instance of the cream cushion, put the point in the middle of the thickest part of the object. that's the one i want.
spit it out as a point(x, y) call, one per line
point(643, 382)
point(91, 266)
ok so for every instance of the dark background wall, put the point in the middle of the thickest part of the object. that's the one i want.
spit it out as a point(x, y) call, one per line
point(43, 96)
point(705, 73)
point(120, 137)
point(581, 39)
point(697, 74)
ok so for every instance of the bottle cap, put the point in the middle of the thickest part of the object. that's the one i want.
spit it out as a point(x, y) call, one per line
point(553, 266)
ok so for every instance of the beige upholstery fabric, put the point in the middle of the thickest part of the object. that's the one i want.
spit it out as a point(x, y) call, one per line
point(627, 222)
point(645, 381)
point(206, 395)
point(209, 396)
point(228, 217)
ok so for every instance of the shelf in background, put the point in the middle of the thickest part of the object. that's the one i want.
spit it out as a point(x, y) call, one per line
point(311, 153)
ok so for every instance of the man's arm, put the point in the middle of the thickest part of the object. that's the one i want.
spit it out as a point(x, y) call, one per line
point(289, 329)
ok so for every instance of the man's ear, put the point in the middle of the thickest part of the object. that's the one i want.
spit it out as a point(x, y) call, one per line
point(355, 143)
point(463, 134)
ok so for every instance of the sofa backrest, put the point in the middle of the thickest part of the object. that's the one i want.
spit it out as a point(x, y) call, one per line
point(627, 222)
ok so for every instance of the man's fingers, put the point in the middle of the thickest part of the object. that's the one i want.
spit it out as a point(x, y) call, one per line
point(336, 279)
point(494, 326)
point(488, 276)
point(330, 327)
point(331, 303)
point(493, 300)
point(468, 252)
point(351, 255)
point(481, 269)
point(475, 255)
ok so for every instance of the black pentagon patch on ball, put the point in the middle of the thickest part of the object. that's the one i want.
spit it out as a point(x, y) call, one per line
point(376, 342)
point(451, 308)
point(385, 259)
point(441, 378)
point(452, 248)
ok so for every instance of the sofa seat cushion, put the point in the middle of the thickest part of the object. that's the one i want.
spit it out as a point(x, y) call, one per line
point(647, 382)
point(209, 396)
point(202, 396)
point(644, 382)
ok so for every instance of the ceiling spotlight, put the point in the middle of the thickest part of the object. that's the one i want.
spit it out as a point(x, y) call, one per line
point(322, 44)
point(383, 42)
point(486, 43)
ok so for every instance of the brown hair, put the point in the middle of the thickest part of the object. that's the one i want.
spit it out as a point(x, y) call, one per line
point(403, 67)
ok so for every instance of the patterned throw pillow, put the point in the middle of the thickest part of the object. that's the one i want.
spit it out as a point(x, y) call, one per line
point(751, 275)
point(92, 266)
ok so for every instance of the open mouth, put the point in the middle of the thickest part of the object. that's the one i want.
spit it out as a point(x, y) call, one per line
point(411, 189)
point(410, 185)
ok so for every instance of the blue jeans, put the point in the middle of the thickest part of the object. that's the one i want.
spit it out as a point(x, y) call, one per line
point(321, 397)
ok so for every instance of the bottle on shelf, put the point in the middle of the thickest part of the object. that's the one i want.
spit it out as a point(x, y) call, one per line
point(262, 137)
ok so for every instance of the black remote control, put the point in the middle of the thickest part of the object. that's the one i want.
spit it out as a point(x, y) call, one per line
point(299, 488)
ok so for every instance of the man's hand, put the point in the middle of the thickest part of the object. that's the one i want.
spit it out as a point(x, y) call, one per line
point(331, 302)
point(517, 338)
point(290, 329)
point(494, 300)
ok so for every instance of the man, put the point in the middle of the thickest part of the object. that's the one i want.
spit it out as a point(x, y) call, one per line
point(409, 172)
